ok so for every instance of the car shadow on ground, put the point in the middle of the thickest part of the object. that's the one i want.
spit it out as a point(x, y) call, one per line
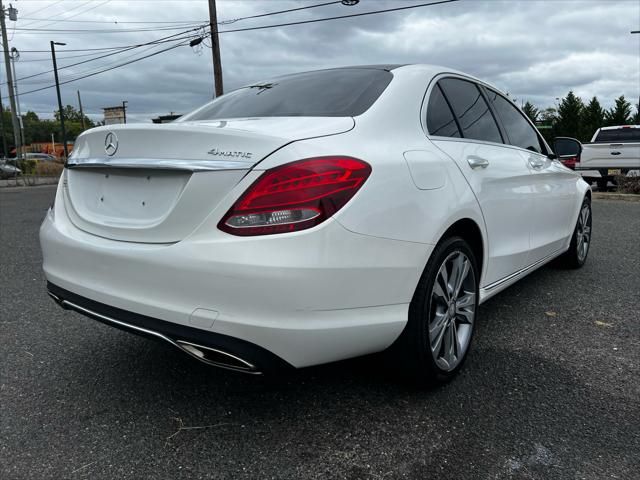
point(524, 415)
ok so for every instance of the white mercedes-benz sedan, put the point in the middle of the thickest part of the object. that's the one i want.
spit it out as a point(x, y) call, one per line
point(315, 217)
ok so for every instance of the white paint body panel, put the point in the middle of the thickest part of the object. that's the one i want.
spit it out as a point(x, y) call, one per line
point(337, 290)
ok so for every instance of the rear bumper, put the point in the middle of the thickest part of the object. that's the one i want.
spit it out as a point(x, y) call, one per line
point(210, 348)
point(318, 296)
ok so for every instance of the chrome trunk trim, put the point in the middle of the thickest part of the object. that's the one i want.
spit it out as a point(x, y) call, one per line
point(159, 164)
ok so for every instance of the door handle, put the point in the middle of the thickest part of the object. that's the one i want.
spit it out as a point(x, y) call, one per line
point(615, 153)
point(536, 163)
point(478, 162)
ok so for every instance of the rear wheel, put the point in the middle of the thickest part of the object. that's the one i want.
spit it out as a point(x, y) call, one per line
point(442, 314)
point(602, 184)
point(576, 256)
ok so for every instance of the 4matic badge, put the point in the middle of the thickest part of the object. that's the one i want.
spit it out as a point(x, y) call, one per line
point(229, 153)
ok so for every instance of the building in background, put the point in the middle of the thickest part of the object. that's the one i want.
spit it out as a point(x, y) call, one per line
point(166, 118)
point(114, 115)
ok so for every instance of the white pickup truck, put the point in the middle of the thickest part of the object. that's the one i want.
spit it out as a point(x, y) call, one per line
point(612, 151)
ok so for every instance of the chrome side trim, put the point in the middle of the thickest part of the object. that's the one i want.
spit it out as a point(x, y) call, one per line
point(539, 263)
point(248, 368)
point(159, 164)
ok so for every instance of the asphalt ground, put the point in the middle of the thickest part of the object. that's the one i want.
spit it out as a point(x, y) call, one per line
point(551, 389)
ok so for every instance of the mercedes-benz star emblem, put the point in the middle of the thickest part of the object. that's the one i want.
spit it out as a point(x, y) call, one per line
point(110, 144)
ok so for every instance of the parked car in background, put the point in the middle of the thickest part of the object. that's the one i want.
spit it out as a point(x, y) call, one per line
point(7, 170)
point(40, 157)
point(612, 151)
point(315, 217)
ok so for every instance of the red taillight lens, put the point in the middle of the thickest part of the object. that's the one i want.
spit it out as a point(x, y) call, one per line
point(569, 162)
point(295, 196)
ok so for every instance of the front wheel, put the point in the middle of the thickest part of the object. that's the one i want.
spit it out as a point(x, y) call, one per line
point(576, 256)
point(442, 314)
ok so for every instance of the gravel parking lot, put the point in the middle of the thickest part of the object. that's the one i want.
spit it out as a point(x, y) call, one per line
point(551, 389)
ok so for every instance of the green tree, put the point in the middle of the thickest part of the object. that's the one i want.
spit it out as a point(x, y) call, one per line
point(620, 113)
point(636, 117)
point(531, 111)
point(73, 116)
point(569, 119)
point(592, 119)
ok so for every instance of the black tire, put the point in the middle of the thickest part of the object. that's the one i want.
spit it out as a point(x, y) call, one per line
point(413, 348)
point(602, 184)
point(575, 257)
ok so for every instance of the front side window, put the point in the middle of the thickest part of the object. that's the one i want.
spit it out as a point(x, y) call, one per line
point(440, 120)
point(476, 120)
point(519, 130)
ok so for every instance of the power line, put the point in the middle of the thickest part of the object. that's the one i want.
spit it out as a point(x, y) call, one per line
point(62, 13)
point(167, 22)
point(105, 70)
point(39, 31)
point(170, 38)
point(225, 22)
point(44, 8)
point(93, 7)
point(374, 12)
point(222, 22)
point(316, 20)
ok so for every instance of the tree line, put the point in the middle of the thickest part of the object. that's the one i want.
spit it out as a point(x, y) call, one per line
point(37, 130)
point(574, 118)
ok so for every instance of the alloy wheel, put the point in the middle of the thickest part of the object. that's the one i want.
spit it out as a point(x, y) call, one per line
point(583, 236)
point(452, 311)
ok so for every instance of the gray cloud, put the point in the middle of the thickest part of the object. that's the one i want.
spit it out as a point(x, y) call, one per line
point(535, 50)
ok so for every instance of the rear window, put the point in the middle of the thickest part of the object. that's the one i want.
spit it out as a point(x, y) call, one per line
point(618, 135)
point(343, 92)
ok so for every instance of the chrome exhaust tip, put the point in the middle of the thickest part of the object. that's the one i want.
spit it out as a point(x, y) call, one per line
point(218, 358)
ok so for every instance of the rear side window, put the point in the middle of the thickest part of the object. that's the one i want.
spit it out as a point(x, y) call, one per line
point(476, 120)
point(619, 135)
point(341, 92)
point(440, 120)
point(519, 130)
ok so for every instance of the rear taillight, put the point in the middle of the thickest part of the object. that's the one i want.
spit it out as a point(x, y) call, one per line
point(570, 162)
point(295, 196)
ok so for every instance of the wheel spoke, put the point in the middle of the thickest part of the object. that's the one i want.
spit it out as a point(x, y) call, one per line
point(467, 299)
point(456, 274)
point(439, 292)
point(462, 276)
point(437, 336)
point(448, 354)
point(585, 215)
point(465, 315)
point(442, 283)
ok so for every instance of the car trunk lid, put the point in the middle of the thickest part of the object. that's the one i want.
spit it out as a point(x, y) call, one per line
point(157, 183)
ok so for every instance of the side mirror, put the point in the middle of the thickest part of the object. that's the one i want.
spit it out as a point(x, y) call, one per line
point(567, 150)
point(567, 147)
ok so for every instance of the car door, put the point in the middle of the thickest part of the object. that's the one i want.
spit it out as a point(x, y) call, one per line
point(552, 185)
point(498, 174)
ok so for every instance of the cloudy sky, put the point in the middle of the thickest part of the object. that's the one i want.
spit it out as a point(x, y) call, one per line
point(536, 50)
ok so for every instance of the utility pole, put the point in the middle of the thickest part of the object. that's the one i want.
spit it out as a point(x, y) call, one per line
point(60, 111)
point(124, 110)
point(633, 32)
point(7, 61)
point(4, 139)
point(215, 48)
point(15, 55)
point(81, 112)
